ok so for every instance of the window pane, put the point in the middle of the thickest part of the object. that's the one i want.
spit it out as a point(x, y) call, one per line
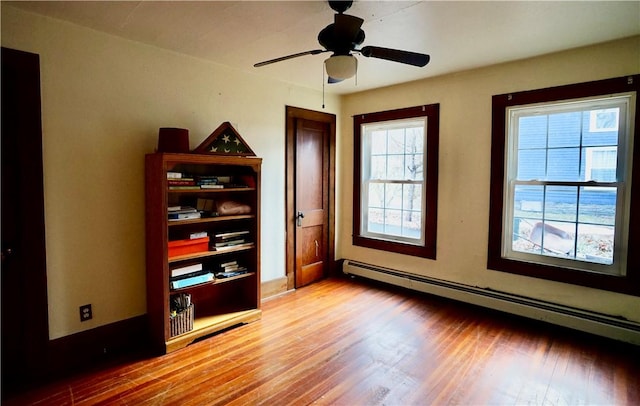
point(395, 168)
point(379, 167)
point(412, 197)
point(395, 144)
point(597, 205)
point(527, 212)
point(532, 132)
point(392, 222)
point(563, 164)
point(375, 223)
point(411, 221)
point(532, 164)
point(595, 243)
point(554, 238)
point(393, 196)
point(378, 142)
point(414, 166)
point(528, 201)
point(376, 195)
point(600, 163)
point(561, 203)
point(414, 141)
point(598, 132)
point(564, 130)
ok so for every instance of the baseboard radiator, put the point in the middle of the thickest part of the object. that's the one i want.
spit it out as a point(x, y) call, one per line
point(590, 322)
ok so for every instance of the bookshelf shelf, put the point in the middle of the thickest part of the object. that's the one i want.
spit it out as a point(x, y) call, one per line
point(205, 254)
point(219, 303)
point(215, 282)
point(173, 223)
point(211, 191)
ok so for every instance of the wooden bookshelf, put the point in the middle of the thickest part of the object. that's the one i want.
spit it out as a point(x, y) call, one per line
point(223, 302)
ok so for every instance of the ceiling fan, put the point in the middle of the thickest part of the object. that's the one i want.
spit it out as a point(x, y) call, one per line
point(343, 37)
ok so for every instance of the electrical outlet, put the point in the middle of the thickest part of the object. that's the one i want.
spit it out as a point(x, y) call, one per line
point(86, 313)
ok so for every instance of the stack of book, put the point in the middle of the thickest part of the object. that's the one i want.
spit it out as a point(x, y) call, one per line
point(208, 182)
point(179, 180)
point(189, 276)
point(229, 269)
point(182, 213)
point(235, 239)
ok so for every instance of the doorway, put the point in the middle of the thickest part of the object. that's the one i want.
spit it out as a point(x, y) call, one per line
point(310, 196)
point(25, 329)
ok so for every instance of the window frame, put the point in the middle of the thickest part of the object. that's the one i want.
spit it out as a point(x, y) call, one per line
point(427, 247)
point(629, 280)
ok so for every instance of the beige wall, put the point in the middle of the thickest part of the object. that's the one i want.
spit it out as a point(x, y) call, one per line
point(464, 166)
point(103, 100)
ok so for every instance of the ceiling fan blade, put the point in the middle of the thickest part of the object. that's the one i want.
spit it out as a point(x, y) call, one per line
point(284, 58)
point(396, 55)
point(347, 27)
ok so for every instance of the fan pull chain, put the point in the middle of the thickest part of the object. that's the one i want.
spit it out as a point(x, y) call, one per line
point(323, 84)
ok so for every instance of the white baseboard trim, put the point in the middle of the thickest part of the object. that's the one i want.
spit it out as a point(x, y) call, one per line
point(590, 322)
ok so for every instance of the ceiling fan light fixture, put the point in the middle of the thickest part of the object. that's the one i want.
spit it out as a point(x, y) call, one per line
point(341, 66)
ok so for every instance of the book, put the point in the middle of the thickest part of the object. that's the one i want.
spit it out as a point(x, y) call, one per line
point(224, 179)
point(232, 234)
point(188, 275)
point(230, 242)
point(186, 270)
point(230, 263)
point(183, 216)
point(223, 275)
point(182, 181)
point(174, 175)
point(229, 247)
point(182, 209)
point(201, 234)
point(234, 268)
point(207, 178)
point(211, 186)
point(194, 280)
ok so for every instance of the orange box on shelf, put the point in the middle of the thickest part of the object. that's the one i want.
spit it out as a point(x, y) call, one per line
point(183, 247)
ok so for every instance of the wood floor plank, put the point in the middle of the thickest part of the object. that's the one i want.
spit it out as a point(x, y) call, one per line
point(352, 342)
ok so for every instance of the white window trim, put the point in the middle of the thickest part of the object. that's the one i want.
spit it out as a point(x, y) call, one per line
point(626, 102)
point(366, 130)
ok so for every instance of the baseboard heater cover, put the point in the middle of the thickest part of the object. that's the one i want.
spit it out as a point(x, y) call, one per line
point(577, 319)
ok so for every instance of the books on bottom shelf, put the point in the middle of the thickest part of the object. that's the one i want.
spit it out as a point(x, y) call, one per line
point(184, 271)
point(197, 279)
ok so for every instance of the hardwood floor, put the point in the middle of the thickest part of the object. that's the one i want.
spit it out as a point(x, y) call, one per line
point(352, 342)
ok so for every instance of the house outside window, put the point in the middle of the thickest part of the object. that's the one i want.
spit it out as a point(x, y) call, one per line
point(396, 180)
point(565, 200)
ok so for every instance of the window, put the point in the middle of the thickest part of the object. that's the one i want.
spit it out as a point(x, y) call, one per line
point(396, 180)
point(561, 194)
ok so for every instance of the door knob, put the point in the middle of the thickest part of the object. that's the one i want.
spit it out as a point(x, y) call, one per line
point(299, 218)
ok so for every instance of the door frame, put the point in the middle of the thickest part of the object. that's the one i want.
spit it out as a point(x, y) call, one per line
point(30, 220)
point(293, 114)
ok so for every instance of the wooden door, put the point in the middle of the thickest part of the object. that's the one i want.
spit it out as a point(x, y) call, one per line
point(310, 191)
point(25, 330)
point(311, 201)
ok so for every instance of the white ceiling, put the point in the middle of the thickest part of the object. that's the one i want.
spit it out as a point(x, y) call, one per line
point(458, 35)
